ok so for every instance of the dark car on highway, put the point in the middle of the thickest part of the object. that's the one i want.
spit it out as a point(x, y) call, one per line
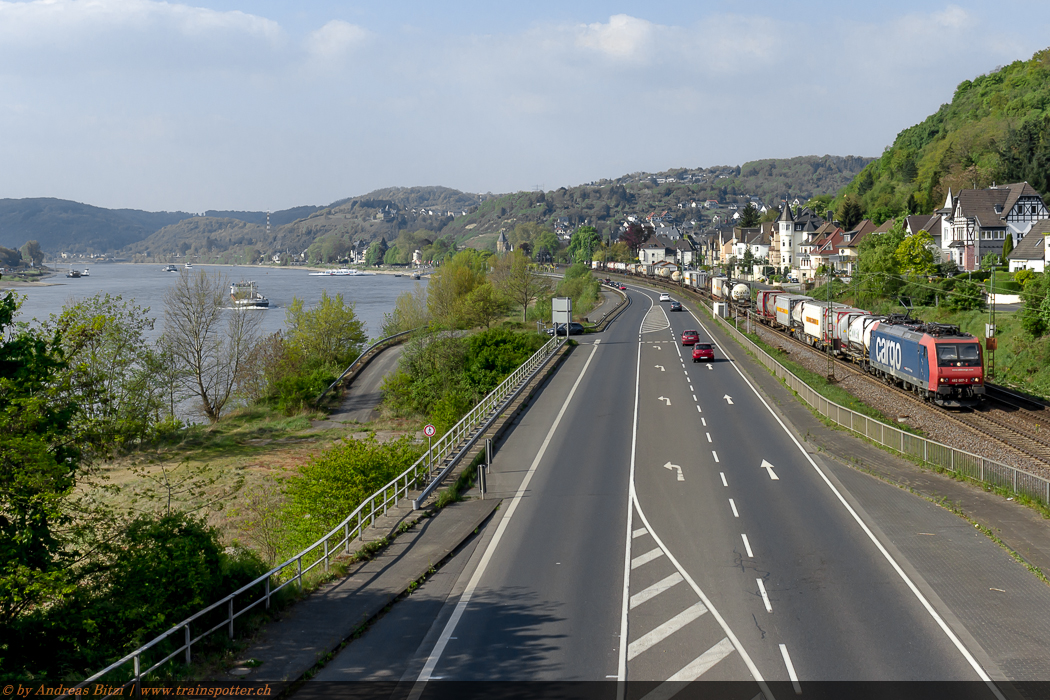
point(573, 329)
point(676, 306)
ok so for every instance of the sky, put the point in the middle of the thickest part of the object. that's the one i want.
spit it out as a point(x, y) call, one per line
point(270, 104)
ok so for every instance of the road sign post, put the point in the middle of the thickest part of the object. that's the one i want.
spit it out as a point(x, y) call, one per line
point(430, 431)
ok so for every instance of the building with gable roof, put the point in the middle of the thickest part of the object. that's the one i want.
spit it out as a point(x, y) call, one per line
point(976, 222)
point(1031, 253)
point(848, 248)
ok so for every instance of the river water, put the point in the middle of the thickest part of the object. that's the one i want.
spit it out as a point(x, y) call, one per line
point(146, 284)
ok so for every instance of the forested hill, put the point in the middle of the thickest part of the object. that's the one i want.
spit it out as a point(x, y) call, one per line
point(996, 129)
point(62, 225)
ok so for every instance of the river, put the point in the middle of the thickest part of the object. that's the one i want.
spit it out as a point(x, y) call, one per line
point(146, 284)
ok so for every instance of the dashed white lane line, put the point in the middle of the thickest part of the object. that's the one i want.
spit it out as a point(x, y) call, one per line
point(733, 506)
point(747, 546)
point(646, 558)
point(765, 598)
point(694, 397)
point(639, 532)
point(791, 670)
point(704, 421)
point(656, 589)
point(699, 410)
point(666, 629)
point(723, 475)
point(709, 438)
point(715, 455)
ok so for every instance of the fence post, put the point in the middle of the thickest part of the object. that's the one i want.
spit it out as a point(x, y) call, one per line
point(267, 592)
point(188, 637)
point(299, 572)
point(136, 668)
point(230, 608)
point(346, 531)
point(488, 453)
point(326, 555)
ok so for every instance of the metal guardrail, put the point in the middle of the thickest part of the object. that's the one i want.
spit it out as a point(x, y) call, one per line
point(353, 527)
point(930, 452)
point(360, 357)
point(473, 425)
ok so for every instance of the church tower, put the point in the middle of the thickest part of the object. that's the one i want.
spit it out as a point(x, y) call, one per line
point(785, 232)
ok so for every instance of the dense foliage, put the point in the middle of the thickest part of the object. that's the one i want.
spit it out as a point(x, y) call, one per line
point(994, 130)
point(441, 377)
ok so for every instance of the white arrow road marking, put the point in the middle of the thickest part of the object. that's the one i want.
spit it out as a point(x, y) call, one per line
point(710, 366)
point(675, 466)
point(769, 468)
point(660, 367)
point(729, 399)
point(664, 398)
point(657, 347)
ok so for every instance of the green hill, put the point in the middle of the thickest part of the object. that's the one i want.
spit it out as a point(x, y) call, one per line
point(994, 130)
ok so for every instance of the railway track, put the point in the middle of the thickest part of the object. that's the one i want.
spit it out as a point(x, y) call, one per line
point(997, 419)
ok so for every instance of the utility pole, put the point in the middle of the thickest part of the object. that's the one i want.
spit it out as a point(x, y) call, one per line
point(989, 331)
point(830, 325)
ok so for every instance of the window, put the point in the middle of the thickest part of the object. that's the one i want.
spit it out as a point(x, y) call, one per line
point(958, 355)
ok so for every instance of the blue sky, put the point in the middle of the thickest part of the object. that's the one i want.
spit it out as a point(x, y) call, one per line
point(268, 105)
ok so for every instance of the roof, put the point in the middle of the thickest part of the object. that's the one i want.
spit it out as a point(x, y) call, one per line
point(921, 222)
point(982, 204)
point(1033, 245)
point(1018, 190)
point(886, 226)
point(858, 233)
point(785, 213)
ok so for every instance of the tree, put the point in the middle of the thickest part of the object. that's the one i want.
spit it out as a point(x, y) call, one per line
point(485, 304)
point(584, 241)
point(748, 261)
point(209, 343)
point(749, 217)
point(634, 236)
point(31, 253)
point(819, 204)
point(1008, 245)
point(915, 254)
point(850, 213)
point(410, 311)
point(375, 254)
point(450, 285)
point(516, 279)
point(328, 335)
point(877, 263)
point(112, 366)
point(40, 457)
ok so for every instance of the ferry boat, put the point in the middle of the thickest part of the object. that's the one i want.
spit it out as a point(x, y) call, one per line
point(188, 266)
point(73, 273)
point(341, 272)
point(85, 273)
point(171, 268)
point(245, 295)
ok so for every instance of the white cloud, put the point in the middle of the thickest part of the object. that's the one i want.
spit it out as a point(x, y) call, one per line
point(335, 40)
point(622, 37)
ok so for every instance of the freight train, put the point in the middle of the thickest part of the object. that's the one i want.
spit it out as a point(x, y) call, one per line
point(936, 361)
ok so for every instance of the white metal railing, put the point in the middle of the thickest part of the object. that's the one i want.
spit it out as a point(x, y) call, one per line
point(360, 357)
point(931, 452)
point(321, 552)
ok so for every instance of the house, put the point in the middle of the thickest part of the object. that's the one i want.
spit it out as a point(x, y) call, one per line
point(502, 244)
point(850, 245)
point(657, 250)
point(978, 221)
point(1030, 253)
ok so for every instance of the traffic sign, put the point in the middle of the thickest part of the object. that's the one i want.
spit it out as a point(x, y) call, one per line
point(430, 431)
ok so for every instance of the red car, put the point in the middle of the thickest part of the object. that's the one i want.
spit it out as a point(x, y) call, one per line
point(690, 337)
point(623, 288)
point(703, 351)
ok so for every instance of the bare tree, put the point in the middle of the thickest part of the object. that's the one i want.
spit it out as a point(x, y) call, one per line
point(515, 277)
point(210, 343)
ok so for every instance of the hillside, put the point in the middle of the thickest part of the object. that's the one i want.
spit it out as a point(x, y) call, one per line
point(994, 130)
point(62, 225)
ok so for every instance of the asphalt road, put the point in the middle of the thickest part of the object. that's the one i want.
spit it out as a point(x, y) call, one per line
point(660, 523)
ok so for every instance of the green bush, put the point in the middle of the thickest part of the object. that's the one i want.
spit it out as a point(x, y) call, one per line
point(160, 571)
point(332, 485)
point(295, 392)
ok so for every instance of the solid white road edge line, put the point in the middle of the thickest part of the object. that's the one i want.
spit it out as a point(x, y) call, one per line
point(621, 666)
point(867, 531)
point(791, 669)
point(450, 627)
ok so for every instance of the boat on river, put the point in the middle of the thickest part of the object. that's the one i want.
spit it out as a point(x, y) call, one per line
point(341, 272)
point(171, 268)
point(73, 273)
point(245, 295)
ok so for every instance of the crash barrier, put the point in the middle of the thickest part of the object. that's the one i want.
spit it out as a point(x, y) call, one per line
point(365, 357)
point(928, 452)
point(223, 613)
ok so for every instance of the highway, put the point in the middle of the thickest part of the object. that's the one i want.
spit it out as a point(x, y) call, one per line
point(661, 523)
